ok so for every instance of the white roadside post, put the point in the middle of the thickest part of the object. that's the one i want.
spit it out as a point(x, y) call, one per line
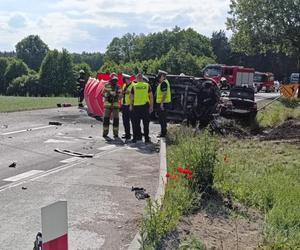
point(55, 226)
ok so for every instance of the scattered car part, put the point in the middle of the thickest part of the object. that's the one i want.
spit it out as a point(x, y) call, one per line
point(55, 123)
point(13, 165)
point(73, 153)
point(140, 193)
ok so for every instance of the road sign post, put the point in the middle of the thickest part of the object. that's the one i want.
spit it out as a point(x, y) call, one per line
point(55, 226)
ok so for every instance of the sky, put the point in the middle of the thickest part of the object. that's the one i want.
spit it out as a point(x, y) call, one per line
point(89, 25)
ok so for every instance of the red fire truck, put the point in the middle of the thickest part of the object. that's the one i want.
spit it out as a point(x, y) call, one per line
point(232, 75)
point(264, 80)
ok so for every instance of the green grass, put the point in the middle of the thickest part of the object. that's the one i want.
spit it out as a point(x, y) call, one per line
point(278, 112)
point(266, 176)
point(13, 103)
point(197, 154)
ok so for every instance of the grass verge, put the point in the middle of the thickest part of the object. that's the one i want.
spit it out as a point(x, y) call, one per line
point(278, 112)
point(259, 174)
point(266, 176)
point(190, 173)
point(15, 103)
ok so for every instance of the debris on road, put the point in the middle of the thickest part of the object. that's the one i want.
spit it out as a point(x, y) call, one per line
point(73, 153)
point(140, 193)
point(13, 165)
point(55, 123)
point(65, 105)
point(38, 241)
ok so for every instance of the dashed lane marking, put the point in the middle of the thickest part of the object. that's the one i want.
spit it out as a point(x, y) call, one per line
point(54, 170)
point(69, 160)
point(23, 175)
point(105, 148)
point(27, 130)
point(58, 141)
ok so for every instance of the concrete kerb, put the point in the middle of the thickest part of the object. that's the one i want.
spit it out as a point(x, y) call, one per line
point(135, 245)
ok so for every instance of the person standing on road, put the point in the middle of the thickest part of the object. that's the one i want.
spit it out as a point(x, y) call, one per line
point(141, 105)
point(81, 81)
point(126, 113)
point(112, 95)
point(163, 99)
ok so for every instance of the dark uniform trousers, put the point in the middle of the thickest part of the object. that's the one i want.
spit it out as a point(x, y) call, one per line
point(141, 113)
point(162, 118)
point(127, 119)
point(80, 88)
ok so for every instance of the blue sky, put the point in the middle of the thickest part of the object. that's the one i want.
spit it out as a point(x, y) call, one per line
point(89, 25)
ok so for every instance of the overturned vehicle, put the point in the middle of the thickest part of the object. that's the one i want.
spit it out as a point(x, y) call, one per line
point(194, 99)
point(198, 100)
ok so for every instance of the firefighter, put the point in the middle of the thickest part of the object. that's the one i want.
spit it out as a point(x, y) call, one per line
point(163, 100)
point(224, 83)
point(112, 95)
point(141, 105)
point(81, 81)
point(126, 113)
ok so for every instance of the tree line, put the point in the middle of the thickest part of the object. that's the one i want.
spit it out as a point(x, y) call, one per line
point(266, 42)
point(35, 70)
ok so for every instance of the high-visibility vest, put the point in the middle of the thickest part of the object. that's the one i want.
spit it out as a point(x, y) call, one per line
point(141, 96)
point(126, 96)
point(159, 93)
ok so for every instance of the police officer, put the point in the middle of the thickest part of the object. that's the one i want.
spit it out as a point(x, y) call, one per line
point(126, 113)
point(81, 81)
point(141, 105)
point(163, 99)
point(112, 95)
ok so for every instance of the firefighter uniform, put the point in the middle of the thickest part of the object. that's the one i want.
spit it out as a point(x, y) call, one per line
point(81, 81)
point(163, 89)
point(142, 106)
point(112, 94)
point(126, 113)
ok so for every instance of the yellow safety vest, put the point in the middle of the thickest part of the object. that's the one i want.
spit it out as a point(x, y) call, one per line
point(126, 95)
point(141, 90)
point(159, 93)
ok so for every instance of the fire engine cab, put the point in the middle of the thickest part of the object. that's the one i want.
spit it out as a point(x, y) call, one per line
point(264, 81)
point(232, 75)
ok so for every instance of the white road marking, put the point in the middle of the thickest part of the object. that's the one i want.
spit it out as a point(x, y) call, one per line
point(23, 175)
point(107, 147)
point(69, 160)
point(58, 141)
point(27, 130)
point(54, 170)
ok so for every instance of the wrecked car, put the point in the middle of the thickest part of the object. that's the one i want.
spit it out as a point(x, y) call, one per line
point(239, 104)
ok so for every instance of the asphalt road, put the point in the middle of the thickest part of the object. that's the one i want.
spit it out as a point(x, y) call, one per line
point(103, 212)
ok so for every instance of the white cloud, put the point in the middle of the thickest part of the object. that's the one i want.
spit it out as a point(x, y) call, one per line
point(204, 16)
point(69, 22)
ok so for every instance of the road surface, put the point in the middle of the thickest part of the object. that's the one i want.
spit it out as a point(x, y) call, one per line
point(103, 212)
